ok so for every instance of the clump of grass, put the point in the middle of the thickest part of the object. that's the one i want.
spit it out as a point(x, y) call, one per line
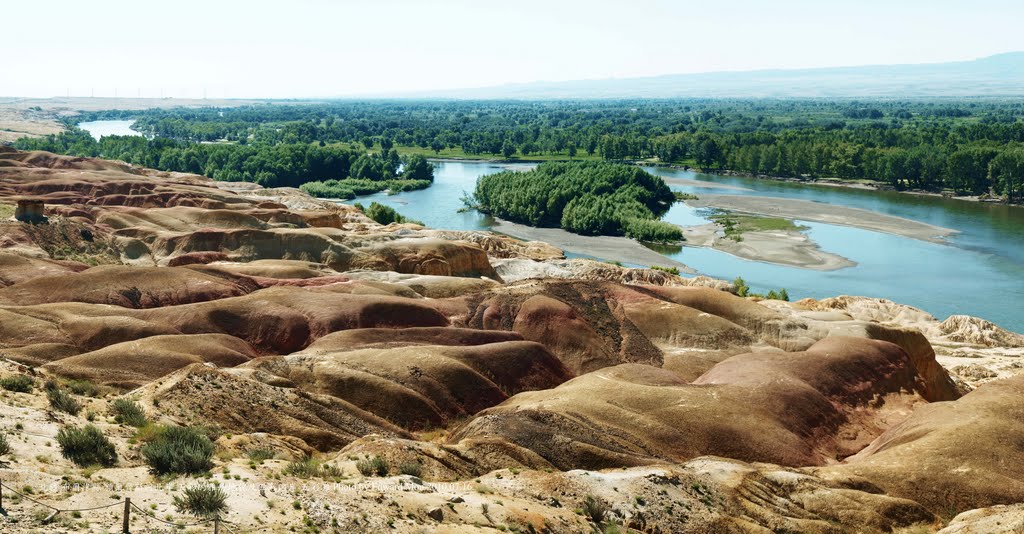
point(86, 446)
point(372, 466)
point(178, 450)
point(18, 383)
point(309, 467)
point(669, 270)
point(5, 446)
point(84, 388)
point(202, 500)
point(260, 455)
point(60, 400)
point(595, 509)
point(411, 468)
point(128, 412)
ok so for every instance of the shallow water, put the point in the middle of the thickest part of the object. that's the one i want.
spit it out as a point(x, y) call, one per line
point(981, 271)
point(99, 129)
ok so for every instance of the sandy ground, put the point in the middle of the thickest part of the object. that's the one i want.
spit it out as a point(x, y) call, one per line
point(806, 210)
point(700, 183)
point(621, 249)
point(794, 249)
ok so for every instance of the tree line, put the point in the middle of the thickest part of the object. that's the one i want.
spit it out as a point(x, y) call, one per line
point(951, 144)
point(270, 165)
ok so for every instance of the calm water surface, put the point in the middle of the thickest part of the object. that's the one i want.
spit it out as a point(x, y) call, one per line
point(981, 271)
point(101, 128)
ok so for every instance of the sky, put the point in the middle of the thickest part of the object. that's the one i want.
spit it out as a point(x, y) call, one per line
point(320, 48)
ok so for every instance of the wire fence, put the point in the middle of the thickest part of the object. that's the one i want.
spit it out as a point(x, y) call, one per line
point(127, 503)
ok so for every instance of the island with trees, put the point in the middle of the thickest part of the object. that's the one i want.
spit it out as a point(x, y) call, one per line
point(588, 198)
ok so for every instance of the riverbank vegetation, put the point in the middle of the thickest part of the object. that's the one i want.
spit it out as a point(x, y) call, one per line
point(736, 225)
point(340, 171)
point(384, 214)
point(588, 198)
point(967, 146)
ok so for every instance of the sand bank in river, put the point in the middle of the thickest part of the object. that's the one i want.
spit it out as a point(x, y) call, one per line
point(620, 249)
point(806, 210)
point(703, 184)
point(791, 248)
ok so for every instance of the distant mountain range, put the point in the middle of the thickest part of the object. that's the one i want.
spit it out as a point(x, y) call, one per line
point(998, 75)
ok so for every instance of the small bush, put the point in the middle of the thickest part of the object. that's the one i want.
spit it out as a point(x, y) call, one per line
point(178, 450)
point(5, 446)
point(86, 446)
point(740, 287)
point(18, 383)
point(309, 468)
point(60, 400)
point(669, 270)
point(128, 412)
point(375, 466)
point(202, 500)
point(595, 509)
point(386, 214)
point(84, 388)
point(259, 455)
point(412, 469)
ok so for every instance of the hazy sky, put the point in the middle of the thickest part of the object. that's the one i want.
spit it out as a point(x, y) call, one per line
point(318, 48)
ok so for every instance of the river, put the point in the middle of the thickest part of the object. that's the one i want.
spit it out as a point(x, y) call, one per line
point(979, 272)
point(99, 129)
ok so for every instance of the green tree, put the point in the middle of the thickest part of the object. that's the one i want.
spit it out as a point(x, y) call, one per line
point(1007, 173)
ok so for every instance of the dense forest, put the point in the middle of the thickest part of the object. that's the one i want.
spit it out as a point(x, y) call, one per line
point(967, 146)
point(335, 171)
point(589, 198)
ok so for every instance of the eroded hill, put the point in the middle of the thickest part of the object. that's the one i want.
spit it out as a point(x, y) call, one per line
point(496, 384)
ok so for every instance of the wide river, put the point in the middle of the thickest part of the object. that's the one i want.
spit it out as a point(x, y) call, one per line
point(979, 272)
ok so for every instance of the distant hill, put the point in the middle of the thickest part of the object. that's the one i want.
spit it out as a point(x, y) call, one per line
point(998, 75)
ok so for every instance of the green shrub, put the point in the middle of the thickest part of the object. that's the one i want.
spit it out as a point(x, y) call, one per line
point(202, 500)
point(349, 188)
point(309, 468)
point(178, 450)
point(84, 388)
point(18, 383)
point(60, 400)
point(595, 509)
point(372, 466)
point(260, 455)
point(669, 270)
point(740, 287)
point(5, 446)
point(652, 230)
point(386, 215)
point(86, 446)
point(129, 412)
point(781, 294)
point(411, 468)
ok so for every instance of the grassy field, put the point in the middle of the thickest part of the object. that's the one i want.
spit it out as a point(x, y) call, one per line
point(737, 225)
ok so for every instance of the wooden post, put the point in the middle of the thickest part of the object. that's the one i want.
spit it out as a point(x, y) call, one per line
point(1, 496)
point(127, 513)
